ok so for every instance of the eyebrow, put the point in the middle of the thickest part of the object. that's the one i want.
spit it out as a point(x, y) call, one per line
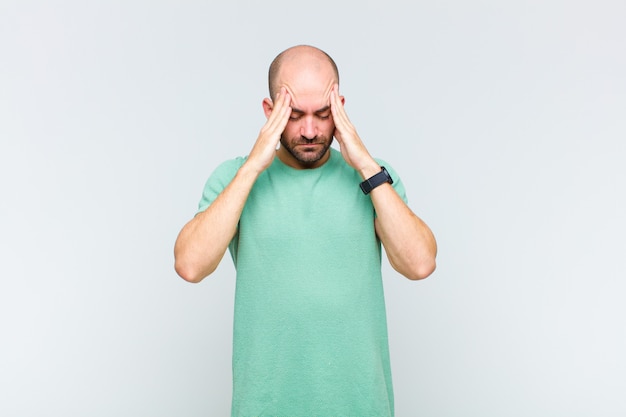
point(322, 110)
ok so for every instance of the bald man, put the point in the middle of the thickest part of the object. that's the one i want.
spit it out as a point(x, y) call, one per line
point(304, 223)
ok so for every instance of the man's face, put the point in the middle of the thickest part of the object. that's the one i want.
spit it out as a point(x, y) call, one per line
point(306, 140)
point(308, 134)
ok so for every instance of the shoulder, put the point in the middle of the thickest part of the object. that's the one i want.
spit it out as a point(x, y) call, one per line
point(389, 167)
point(221, 176)
point(229, 167)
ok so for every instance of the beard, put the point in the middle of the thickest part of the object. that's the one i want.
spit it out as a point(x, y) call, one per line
point(307, 155)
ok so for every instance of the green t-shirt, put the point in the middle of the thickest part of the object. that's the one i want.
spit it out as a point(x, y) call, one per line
point(310, 330)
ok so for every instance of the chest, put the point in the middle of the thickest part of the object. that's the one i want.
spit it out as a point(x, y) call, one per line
point(327, 207)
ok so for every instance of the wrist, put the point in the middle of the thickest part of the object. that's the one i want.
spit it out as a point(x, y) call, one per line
point(380, 178)
point(250, 170)
point(370, 169)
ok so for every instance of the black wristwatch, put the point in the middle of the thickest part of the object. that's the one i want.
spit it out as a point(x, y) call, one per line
point(378, 179)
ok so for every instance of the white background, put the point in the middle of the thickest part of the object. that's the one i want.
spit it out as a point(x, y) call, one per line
point(506, 121)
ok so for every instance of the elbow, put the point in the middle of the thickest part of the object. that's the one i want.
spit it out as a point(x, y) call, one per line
point(427, 269)
point(423, 266)
point(422, 270)
point(189, 266)
point(190, 273)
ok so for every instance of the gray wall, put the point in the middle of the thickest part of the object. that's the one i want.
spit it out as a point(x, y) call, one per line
point(505, 120)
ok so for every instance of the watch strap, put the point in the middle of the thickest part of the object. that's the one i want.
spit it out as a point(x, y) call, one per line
point(382, 177)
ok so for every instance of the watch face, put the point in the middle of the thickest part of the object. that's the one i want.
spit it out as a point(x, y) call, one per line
point(383, 170)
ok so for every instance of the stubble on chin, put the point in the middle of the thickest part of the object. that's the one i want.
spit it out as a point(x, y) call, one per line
point(306, 157)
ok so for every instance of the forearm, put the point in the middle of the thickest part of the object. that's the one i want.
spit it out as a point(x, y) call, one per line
point(203, 241)
point(409, 243)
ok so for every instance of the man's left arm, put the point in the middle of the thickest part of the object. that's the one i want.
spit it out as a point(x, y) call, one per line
point(409, 243)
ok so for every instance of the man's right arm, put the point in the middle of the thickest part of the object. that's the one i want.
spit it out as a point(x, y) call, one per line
point(202, 243)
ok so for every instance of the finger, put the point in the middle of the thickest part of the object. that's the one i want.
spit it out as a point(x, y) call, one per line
point(279, 117)
point(336, 104)
point(277, 104)
point(337, 109)
point(280, 113)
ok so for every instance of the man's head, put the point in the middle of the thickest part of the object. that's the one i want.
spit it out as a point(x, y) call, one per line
point(300, 52)
point(308, 74)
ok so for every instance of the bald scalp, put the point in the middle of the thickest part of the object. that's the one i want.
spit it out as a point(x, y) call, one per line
point(297, 54)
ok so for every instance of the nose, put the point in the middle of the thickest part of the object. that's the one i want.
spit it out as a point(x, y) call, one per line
point(308, 129)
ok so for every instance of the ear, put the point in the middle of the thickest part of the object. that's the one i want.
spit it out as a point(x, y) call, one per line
point(343, 100)
point(268, 106)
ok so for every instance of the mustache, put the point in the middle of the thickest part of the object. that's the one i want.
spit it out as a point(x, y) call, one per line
point(311, 141)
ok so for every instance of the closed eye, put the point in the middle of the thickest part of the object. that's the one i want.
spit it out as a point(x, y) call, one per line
point(323, 113)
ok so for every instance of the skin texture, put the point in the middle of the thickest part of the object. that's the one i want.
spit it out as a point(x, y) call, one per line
point(306, 113)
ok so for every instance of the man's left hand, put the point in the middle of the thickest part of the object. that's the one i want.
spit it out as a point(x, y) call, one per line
point(352, 148)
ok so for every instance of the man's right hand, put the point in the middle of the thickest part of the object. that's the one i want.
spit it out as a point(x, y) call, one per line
point(264, 150)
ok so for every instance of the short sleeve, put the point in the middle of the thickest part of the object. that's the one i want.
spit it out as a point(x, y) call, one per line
point(397, 181)
point(218, 180)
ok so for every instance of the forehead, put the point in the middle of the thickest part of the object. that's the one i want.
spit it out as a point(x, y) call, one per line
point(308, 75)
point(309, 87)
